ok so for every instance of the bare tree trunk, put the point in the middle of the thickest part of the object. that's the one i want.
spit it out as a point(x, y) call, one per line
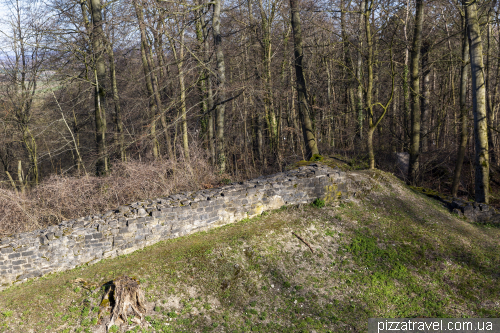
point(119, 135)
point(346, 68)
point(207, 84)
point(152, 105)
point(359, 75)
point(20, 176)
point(258, 118)
point(489, 105)
point(372, 121)
point(426, 94)
point(392, 125)
point(415, 92)
point(179, 59)
point(210, 102)
point(478, 105)
point(406, 93)
point(202, 80)
point(266, 22)
point(182, 86)
point(369, 88)
point(221, 82)
point(147, 64)
point(304, 112)
point(463, 111)
point(162, 86)
point(98, 45)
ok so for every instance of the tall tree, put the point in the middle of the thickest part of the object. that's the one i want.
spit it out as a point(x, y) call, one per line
point(155, 104)
point(359, 73)
point(478, 104)
point(119, 130)
point(303, 106)
point(177, 44)
point(98, 50)
point(22, 62)
point(266, 25)
point(221, 85)
point(426, 94)
point(464, 111)
point(415, 91)
point(373, 122)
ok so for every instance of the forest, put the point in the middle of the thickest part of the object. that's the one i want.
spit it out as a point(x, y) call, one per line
point(103, 102)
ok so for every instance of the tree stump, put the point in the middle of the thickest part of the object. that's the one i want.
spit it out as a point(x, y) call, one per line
point(125, 298)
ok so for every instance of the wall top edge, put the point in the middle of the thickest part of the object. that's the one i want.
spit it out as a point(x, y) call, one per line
point(148, 210)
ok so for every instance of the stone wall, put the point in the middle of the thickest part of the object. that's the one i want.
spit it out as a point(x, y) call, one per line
point(93, 238)
point(472, 211)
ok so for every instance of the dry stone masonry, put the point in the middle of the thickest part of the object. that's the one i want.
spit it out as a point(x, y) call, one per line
point(472, 211)
point(128, 228)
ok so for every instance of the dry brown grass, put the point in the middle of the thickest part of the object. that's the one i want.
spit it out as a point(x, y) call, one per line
point(63, 197)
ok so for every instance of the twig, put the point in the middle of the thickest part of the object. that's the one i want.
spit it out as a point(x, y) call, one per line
point(303, 241)
point(223, 102)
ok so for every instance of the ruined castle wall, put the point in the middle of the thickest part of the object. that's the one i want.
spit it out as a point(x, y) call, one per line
point(128, 228)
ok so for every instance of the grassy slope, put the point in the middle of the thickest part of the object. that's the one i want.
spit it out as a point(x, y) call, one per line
point(395, 254)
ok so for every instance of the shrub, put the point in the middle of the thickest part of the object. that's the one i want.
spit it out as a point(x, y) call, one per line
point(59, 198)
point(318, 203)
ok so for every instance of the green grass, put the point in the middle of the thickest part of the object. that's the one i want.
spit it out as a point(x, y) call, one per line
point(395, 254)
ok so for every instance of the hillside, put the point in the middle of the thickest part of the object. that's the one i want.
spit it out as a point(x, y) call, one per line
point(394, 253)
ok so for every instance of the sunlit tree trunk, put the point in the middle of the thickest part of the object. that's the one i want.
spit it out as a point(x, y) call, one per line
point(221, 82)
point(489, 106)
point(162, 86)
point(478, 105)
point(147, 64)
point(266, 23)
point(347, 89)
point(415, 92)
point(426, 94)
point(202, 81)
point(359, 75)
point(258, 117)
point(304, 112)
point(206, 81)
point(369, 85)
point(179, 59)
point(374, 122)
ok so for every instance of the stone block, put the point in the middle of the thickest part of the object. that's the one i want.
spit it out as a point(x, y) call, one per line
point(28, 253)
point(6, 250)
point(469, 211)
point(14, 255)
point(157, 214)
point(19, 262)
point(124, 230)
